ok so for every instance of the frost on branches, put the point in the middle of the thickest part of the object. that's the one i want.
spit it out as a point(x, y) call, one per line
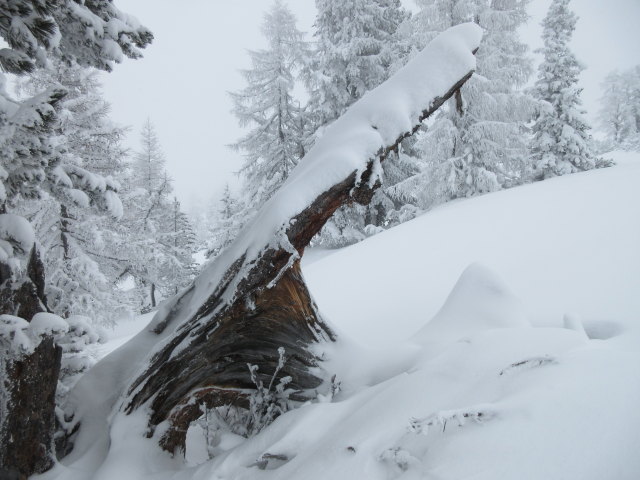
point(619, 115)
point(274, 145)
point(38, 166)
point(561, 143)
point(476, 144)
point(350, 58)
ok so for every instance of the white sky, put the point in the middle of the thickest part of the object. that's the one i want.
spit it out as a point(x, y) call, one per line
point(183, 80)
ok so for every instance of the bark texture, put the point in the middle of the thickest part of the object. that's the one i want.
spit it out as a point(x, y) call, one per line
point(271, 308)
point(29, 382)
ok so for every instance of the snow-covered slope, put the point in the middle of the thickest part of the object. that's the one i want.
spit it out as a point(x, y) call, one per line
point(501, 384)
point(569, 244)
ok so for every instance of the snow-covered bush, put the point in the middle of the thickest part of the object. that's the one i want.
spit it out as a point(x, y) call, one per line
point(266, 403)
point(77, 358)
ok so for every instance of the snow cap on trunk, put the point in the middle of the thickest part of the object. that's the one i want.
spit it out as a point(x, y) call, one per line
point(375, 121)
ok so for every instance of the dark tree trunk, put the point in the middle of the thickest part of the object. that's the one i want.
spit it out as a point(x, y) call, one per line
point(28, 385)
point(271, 308)
point(152, 296)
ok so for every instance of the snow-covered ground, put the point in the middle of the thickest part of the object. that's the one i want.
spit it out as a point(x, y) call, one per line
point(530, 370)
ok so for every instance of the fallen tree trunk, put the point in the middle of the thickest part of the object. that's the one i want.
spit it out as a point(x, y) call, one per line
point(253, 300)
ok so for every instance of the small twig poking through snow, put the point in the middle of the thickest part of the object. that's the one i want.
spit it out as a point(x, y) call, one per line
point(478, 414)
point(334, 389)
point(270, 461)
point(399, 458)
point(533, 362)
point(267, 403)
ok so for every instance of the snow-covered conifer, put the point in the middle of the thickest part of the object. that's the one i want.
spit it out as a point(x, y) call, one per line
point(83, 249)
point(477, 144)
point(179, 239)
point(229, 219)
point(161, 240)
point(619, 115)
point(274, 145)
point(561, 142)
point(149, 162)
point(355, 45)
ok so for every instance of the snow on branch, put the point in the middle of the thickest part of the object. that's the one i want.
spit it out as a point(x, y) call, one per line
point(253, 295)
point(459, 417)
point(355, 143)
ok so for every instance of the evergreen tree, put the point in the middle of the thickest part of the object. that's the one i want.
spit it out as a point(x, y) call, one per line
point(179, 241)
point(161, 241)
point(356, 45)
point(561, 142)
point(82, 248)
point(274, 145)
point(476, 145)
point(149, 162)
point(619, 115)
point(228, 221)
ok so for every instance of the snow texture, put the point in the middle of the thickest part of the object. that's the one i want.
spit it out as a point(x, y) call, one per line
point(543, 401)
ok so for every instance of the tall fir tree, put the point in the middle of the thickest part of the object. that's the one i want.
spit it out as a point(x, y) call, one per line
point(228, 221)
point(477, 144)
point(274, 145)
point(356, 45)
point(561, 142)
point(619, 115)
point(162, 242)
point(83, 250)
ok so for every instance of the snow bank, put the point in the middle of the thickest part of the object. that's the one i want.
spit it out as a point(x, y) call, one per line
point(568, 244)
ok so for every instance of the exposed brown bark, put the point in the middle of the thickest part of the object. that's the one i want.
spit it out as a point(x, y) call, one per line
point(29, 385)
point(272, 308)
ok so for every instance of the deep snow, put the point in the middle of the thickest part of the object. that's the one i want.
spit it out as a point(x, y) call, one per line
point(529, 368)
point(569, 244)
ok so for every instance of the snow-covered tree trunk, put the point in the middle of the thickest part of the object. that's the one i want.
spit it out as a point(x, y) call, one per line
point(252, 301)
point(28, 372)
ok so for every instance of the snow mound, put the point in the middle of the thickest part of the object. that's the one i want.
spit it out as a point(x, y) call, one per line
point(479, 301)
